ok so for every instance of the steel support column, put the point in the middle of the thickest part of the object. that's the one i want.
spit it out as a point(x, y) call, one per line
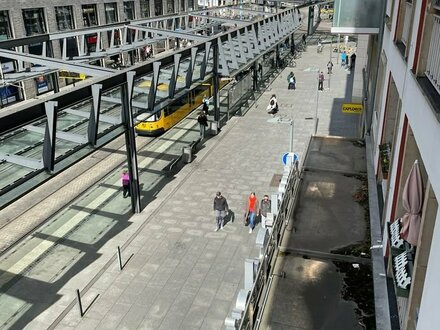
point(130, 143)
point(92, 131)
point(50, 135)
point(215, 78)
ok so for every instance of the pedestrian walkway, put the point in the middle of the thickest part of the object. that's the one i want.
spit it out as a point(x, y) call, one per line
point(178, 272)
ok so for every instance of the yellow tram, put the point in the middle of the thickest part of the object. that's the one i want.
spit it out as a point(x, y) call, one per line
point(155, 124)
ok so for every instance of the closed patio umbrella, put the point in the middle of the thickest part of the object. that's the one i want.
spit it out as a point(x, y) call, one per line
point(412, 203)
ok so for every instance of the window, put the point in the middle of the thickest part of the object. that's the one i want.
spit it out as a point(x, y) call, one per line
point(5, 26)
point(90, 17)
point(158, 9)
point(190, 5)
point(145, 8)
point(170, 6)
point(64, 16)
point(182, 5)
point(111, 12)
point(34, 21)
point(129, 10)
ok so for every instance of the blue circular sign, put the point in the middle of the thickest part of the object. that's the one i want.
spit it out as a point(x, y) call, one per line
point(287, 155)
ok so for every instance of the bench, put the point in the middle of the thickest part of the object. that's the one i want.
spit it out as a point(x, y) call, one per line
point(174, 162)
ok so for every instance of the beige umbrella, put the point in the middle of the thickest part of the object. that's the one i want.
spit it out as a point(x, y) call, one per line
point(412, 203)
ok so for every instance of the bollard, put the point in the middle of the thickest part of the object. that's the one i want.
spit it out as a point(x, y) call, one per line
point(119, 258)
point(78, 298)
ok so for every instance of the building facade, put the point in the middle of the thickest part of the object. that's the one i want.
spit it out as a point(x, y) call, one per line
point(26, 19)
point(406, 130)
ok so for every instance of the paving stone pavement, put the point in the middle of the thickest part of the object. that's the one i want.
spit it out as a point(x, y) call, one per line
point(183, 274)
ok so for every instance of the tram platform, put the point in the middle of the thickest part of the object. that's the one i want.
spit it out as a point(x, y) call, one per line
point(178, 273)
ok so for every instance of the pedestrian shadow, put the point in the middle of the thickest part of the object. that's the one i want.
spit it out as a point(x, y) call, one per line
point(230, 217)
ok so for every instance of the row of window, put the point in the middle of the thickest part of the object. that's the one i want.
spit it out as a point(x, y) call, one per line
point(35, 23)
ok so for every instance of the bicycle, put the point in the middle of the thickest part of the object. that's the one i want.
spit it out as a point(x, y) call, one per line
point(319, 48)
point(291, 63)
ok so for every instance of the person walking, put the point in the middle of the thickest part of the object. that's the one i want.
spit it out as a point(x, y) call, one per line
point(320, 81)
point(251, 210)
point(125, 178)
point(329, 67)
point(343, 59)
point(272, 108)
point(203, 123)
point(265, 207)
point(291, 81)
point(205, 105)
point(220, 209)
point(352, 60)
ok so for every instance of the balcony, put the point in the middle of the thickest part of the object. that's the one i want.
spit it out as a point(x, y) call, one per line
point(429, 77)
point(433, 63)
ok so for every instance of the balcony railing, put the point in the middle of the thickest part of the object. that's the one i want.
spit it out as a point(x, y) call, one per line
point(433, 64)
point(407, 23)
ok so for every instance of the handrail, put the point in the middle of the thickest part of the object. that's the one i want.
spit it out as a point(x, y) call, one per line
point(264, 275)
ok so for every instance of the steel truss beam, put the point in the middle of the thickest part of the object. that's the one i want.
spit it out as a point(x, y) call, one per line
point(54, 63)
point(169, 33)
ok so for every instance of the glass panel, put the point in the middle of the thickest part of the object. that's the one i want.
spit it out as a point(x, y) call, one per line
point(111, 12)
point(90, 18)
point(145, 8)
point(5, 26)
point(129, 10)
point(170, 6)
point(34, 21)
point(64, 16)
point(158, 9)
point(357, 16)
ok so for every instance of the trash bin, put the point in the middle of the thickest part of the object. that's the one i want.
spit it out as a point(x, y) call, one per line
point(187, 154)
point(214, 128)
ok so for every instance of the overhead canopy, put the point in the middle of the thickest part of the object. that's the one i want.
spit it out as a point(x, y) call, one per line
point(357, 16)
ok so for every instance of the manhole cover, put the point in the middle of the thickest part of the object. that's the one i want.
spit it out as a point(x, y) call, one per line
point(276, 179)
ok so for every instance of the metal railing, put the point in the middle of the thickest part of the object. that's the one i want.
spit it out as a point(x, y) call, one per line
point(433, 63)
point(254, 308)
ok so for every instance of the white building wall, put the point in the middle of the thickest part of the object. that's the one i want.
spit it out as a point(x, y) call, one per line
point(429, 315)
point(426, 129)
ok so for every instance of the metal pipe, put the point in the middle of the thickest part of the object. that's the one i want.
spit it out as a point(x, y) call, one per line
point(78, 298)
point(119, 258)
point(291, 135)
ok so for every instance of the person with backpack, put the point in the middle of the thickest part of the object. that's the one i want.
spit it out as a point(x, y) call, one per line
point(272, 108)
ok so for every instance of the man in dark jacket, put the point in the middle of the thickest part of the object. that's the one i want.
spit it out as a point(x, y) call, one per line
point(220, 210)
point(203, 122)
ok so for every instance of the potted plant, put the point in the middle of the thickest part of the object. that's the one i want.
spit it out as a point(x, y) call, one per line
point(384, 152)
